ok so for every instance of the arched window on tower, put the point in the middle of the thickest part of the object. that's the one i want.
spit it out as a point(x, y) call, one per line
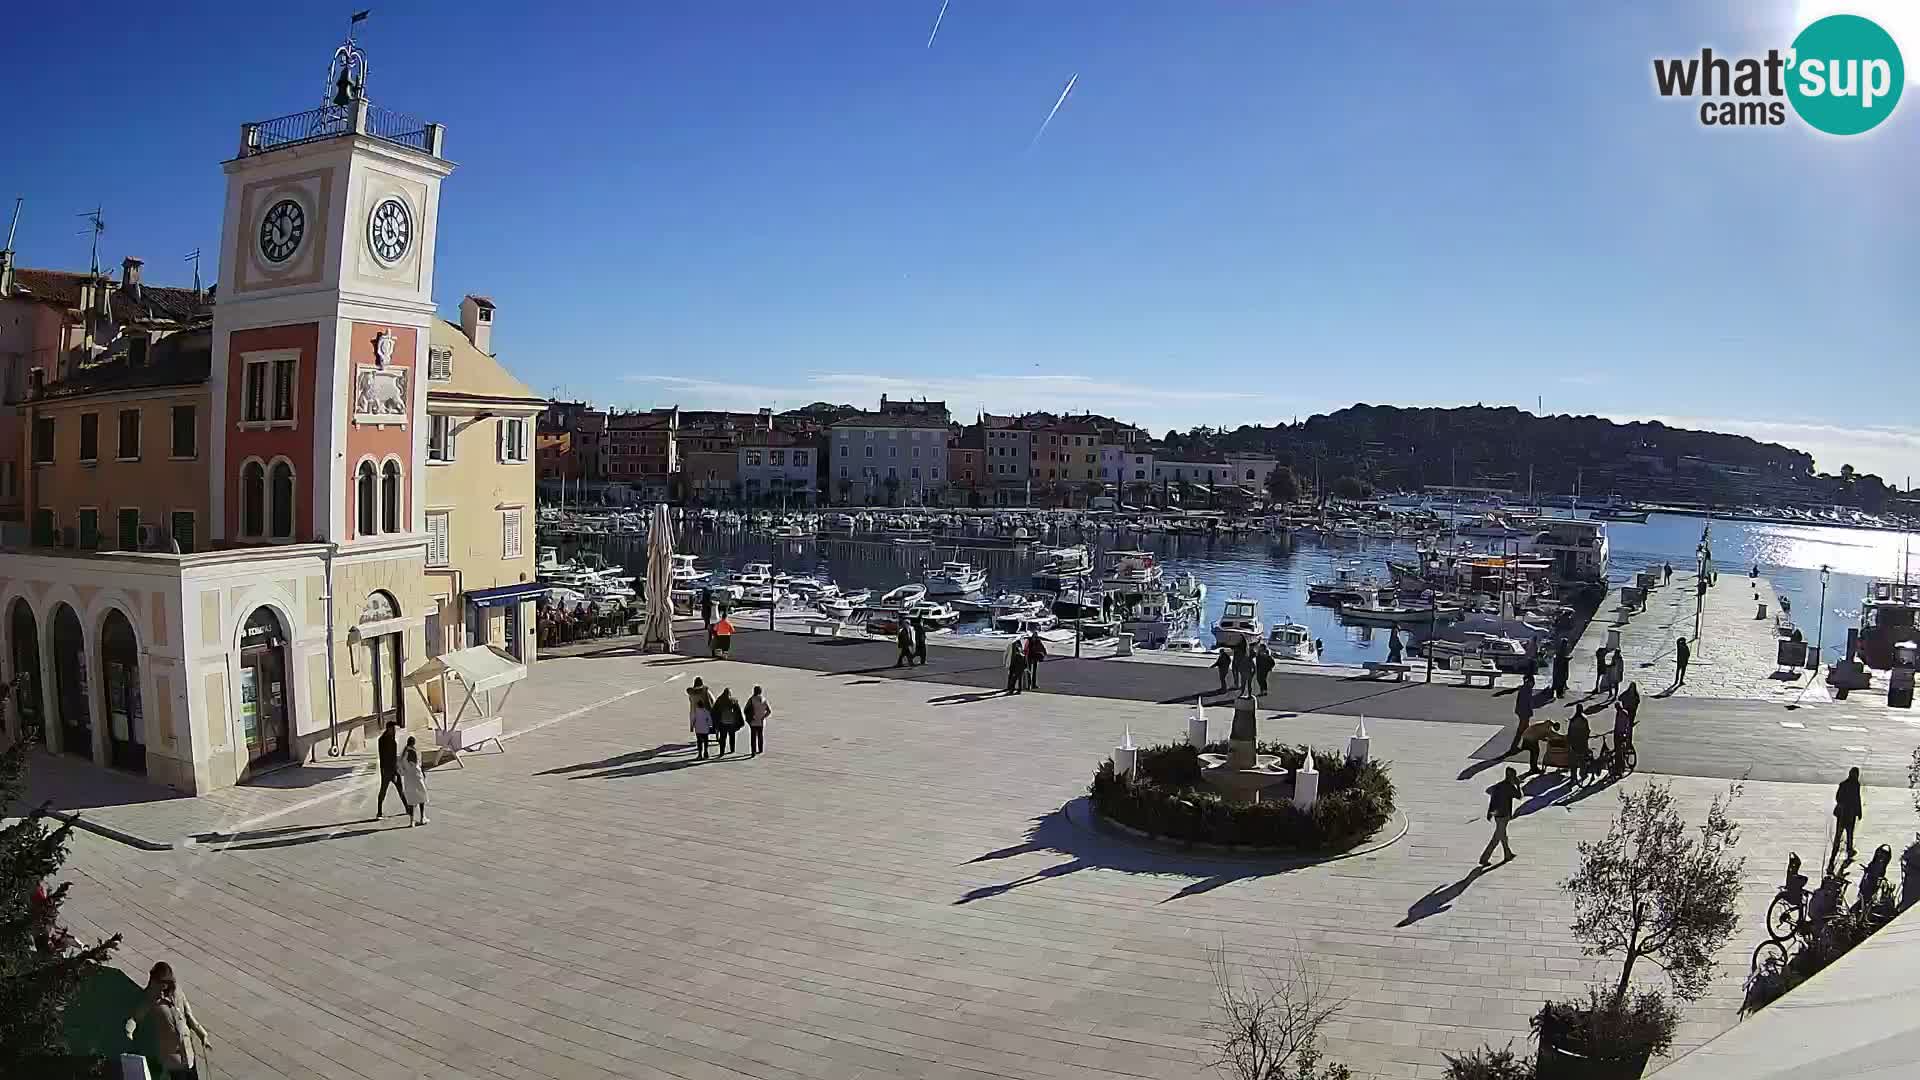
point(366, 496)
point(390, 498)
point(281, 487)
point(253, 500)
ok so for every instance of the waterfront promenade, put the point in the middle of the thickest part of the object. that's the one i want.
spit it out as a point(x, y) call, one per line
point(903, 887)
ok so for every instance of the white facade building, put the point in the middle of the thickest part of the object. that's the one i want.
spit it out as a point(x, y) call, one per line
point(882, 459)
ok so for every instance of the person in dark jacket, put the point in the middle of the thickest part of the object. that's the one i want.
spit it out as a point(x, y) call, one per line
point(1600, 668)
point(1562, 662)
point(1579, 736)
point(390, 772)
point(1016, 666)
point(903, 639)
point(1262, 665)
point(706, 610)
point(1036, 652)
point(920, 642)
point(1393, 646)
point(1630, 700)
point(728, 719)
point(1846, 814)
point(1522, 712)
point(1222, 664)
point(1682, 652)
point(1500, 800)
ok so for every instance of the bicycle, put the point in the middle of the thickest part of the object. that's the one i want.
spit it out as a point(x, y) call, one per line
point(1614, 762)
point(1797, 914)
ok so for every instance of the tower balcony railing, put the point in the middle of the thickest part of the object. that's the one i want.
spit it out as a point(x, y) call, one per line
point(328, 121)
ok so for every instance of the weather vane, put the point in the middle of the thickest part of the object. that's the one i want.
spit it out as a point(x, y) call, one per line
point(347, 74)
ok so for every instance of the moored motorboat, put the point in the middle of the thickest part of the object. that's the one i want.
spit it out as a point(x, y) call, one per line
point(1239, 621)
point(1293, 641)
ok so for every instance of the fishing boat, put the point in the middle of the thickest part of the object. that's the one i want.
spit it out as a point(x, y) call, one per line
point(754, 574)
point(838, 607)
point(1504, 653)
point(1293, 641)
point(1889, 614)
point(1187, 644)
point(955, 579)
point(1057, 565)
point(684, 571)
point(1078, 600)
point(913, 541)
point(1239, 621)
point(763, 595)
point(1347, 587)
point(1374, 612)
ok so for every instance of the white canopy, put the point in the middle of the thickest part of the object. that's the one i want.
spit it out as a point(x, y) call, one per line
point(480, 667)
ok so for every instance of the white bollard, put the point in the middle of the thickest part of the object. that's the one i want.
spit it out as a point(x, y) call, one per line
point(1360, 745)
point(1197, 729)
point(1123, 758)
point(1306, 784)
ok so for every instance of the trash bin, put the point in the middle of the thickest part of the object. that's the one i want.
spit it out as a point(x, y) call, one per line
point(1790, 654)
point(1900, 688)
point(1123, 645)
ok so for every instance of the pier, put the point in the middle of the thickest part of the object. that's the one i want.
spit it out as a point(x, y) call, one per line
point(1733, 654)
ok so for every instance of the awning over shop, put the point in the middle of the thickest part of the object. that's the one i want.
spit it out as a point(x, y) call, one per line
point(505, 594)
point(479, 668)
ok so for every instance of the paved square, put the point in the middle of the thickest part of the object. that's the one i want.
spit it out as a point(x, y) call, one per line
point(892, 891)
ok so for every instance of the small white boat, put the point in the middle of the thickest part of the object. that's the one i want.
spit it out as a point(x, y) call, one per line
point(1293, 641)
point(1079, 600)
point(913, 541)
point(911, 593)
point(838, 607)
point(838, 521)
point(685, 571)
point(1397, 614)
point(933, 613)
point(955, 579)
point(1239, 621)
point(858, 596)
point(754, 573)
point(1188, 644)
point(767, 595)
point(1022, 623)
point(790, 532)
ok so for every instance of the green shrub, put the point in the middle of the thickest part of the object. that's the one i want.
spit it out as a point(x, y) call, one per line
point(1487, 1063)
point(1643, 1020)
point(1167, 797)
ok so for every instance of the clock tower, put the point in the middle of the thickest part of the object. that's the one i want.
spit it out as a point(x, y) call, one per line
point(320, 333)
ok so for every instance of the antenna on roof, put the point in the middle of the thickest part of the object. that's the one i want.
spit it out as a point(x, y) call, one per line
point(17, 200)
point(194, 258)
point(99, 226)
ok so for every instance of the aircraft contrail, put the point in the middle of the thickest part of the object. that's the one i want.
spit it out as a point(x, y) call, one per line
point(936, 22)
point(1056, 108)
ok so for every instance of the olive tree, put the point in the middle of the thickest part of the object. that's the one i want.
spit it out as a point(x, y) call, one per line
point(1651, 890)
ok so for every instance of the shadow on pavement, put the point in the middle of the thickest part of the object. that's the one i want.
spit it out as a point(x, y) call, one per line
point(966, 699)
point(311, 838)
point(1058, 832)
point(618, 759)
point(1442, 897)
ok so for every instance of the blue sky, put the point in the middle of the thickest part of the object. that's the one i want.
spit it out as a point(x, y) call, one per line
point(1244, 212)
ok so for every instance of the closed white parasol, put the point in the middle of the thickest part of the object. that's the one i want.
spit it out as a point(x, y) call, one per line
point(660, 582)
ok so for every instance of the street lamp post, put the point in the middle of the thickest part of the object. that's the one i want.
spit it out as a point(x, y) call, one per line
point(1703, 553)
point(1820, 644)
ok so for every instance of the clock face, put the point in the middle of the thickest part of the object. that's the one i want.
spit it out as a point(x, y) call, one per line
point(390, 230)
point(281, 230)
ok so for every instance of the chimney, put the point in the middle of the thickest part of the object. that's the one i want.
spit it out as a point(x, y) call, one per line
point(476, 321)
point(6, 272)
point(130, 276)
point(102, 296)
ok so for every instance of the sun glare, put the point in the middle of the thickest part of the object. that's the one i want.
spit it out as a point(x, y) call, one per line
point(1901, 18)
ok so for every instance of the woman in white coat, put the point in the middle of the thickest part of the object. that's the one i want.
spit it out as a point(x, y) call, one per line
point(413, 782)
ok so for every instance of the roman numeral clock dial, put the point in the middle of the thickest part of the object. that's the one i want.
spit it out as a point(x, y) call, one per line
point(282, 230)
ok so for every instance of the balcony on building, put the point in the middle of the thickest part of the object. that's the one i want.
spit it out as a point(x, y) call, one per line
point(356, 117)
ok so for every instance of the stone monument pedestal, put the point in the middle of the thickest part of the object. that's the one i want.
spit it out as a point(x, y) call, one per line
point(1242, 772)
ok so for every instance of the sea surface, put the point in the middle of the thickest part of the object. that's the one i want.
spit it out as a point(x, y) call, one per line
point(1791, 555)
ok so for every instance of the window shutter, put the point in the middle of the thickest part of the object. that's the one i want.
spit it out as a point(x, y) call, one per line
point(439, 365)
point(510, 534)
point(437, 530)
point(500, 440)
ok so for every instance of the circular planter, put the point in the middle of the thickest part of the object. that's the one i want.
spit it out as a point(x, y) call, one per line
point(1564, 1058)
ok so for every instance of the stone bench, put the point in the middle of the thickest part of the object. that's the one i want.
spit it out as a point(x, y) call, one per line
point(1472, 667)
point(831, 626)
point(1377, 668)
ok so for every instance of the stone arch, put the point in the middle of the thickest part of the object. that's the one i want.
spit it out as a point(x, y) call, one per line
point(122, 677)
point(25, 665)
point(68, 647)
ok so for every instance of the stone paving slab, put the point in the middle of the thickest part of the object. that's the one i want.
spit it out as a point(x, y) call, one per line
point(892, 891)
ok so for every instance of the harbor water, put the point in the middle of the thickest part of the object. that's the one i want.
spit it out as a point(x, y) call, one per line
point(1277, 574)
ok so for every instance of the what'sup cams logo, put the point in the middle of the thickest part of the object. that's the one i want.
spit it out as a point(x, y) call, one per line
point(1842, 75)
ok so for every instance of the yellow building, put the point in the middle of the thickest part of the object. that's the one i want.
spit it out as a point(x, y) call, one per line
point(480, 491)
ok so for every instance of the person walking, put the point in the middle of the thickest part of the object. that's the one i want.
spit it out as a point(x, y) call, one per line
point(727, 721)
point(390, 772)
point(706, 610)
point(1600, 668)
point(1500, 800)
point(757, 712)
point(1579, 735)
point(1846, 814)
point(1016, 666)
point(723, 637)
point(1036, 652)
point(903, 640)
point(1522, 712)
point(1667, 573)
point(1393, 646)
point(700, 715)
point(1616, 670)
point(1242, 665)
point(1630, 700)
point(1622, 738)
point(1262, 666)
point(1562, 662)
point(413, 782)
point(1222, 664)
point(1682, 652)
point(174, 1025)
point(920, 642)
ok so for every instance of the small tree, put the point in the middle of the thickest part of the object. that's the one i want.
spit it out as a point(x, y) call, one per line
point(893, 490)
point(846, 491)
point(37, 977)
point(1270, 1029)
point(1349, 487)
point(1093, 489)
point(1282, 485)
point(1649, 890)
